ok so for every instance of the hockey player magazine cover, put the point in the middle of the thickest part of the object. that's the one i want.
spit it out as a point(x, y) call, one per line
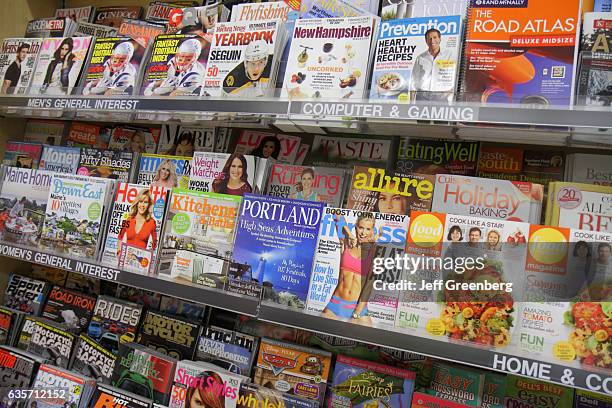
point(113, 67)
point(242, 59)
point(17, 64)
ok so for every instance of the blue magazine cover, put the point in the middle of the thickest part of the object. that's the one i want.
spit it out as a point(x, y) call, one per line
point(274, 248)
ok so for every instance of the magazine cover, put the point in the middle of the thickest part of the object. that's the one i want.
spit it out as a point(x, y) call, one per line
point(169, 335)
point(178, 307)
point(222, 173)
point(113, 67)
point(594, 79)
point(140, 31)
point(17, 61)
point(23, 155)
point(198, 237)
point(494, 390)
point(425, 156)
point(602, 5)
point(106, 396)
point(71, 309)
point(74, 214)
point(23, 197)
point(327, 58)
point(361, 384)
point(50, 27)
point(164, 171)
point(586, 399)
point(95, 30)
point(394, 9)
point(242, 60)
point(179, 140)
point(176, 65)
point(293, 369)
point(93, 360)
point(324, 184)
point(113, 322)
point(60, 159)
point(78, 388)
point(110, 164)
point(79, 14)
point(159, 11)
point(59, 65)
point(277, 146)
point(274, 247)
point(17, 370)
point(373, 189)
point(234, 351)
point(50, 274)
point(198, 381)
point(134, 139)
point(87, 134)
point(52, 343)
point(596, 33)
point(348, 241)
point(113, 15)
point(417, 59)
point(194, 20)
point(150, 300)
point(458, 384)
point(44, 131)
point(422, 400)
point(252, 395)
point(8, 320)
point(273, 10)
point(522, 390)
point(511, 59)
point(580, 206)
point(25, 332)
point(346, 152)
point(83, 283)
point(25, 294)
point(589, 169)
point(488, 198)
point(145, 372)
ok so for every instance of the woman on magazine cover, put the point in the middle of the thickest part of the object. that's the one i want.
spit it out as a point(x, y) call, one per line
point(269, 146)
point(356, 255)
point(233, 179)
point(57, 78)
point(166, 175)
point(201, 395)
point(303, 188)
point(139, 228)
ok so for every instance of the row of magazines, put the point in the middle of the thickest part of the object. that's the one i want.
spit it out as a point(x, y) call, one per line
point(518, 54)
point(224, 221)
point(65, 348)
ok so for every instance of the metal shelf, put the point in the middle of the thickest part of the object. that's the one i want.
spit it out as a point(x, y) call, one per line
point(212, 297)
point(460, 353)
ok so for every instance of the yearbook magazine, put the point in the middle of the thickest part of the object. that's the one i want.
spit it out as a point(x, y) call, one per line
point(60, 159)
point(59, 65)
point(164, 171)
point(17, 60)
point(417, 59)
point(223, 173)
point(274, 248)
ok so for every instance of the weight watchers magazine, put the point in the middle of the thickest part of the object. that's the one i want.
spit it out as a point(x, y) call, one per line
point(164, 171)
point(198, 236)
point(243, 58)
point(324, 184)
point(59, 65)
point(215, 172)
point(17, 60)
point(404, 66)
point(327, 58)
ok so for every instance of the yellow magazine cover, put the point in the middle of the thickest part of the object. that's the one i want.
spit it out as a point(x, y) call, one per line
point(581, 206)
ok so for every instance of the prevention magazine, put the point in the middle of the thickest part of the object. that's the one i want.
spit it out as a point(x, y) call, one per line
point(113, 67)
point(243, 58)
point(223, 173)
point(425, 156)
point(164, 171)
point(23, 199)
point(17, 60)
point(176, 65)
point(324, 184)
point(488, 198)
point(59, 65)
point(198, 236)
point(327, 58)
point(60, 159)
point(417, 59)
point(521, 54)
point(131, 202)
point(75, 214)
point(277, 146)
point(277, 256)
